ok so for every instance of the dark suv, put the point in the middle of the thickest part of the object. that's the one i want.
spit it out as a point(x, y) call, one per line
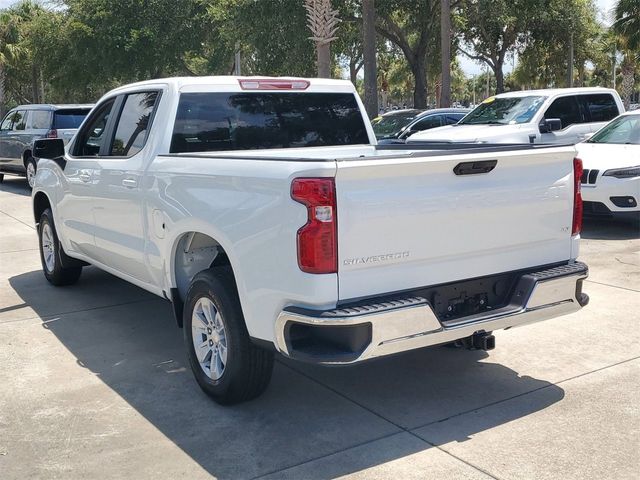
point(26, 123)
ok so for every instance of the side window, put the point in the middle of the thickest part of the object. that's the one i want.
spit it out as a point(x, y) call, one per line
point(453, 118)
point(19, 120)
point(426, 123)
point(6, 123)
point(601, 107)
point(93, 135)
point(133, 124)
point(566, 109)
point(39, 120)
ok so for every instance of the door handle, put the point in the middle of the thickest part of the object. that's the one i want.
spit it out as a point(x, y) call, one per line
point(85, 177)
point(474, 168)
point(130, 182)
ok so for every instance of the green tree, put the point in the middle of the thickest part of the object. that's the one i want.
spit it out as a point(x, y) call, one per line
point(414, 27)
point(492, 30)
point(627, 28)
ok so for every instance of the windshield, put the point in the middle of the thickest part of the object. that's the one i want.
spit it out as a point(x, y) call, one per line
point(504, 111)
point(622, 130)
point(389, 125)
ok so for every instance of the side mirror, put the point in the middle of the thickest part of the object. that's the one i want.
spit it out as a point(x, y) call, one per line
point(550, 125)
point(51, 148)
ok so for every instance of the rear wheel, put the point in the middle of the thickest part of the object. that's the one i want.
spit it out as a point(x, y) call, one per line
point(227, 366)
point(31, 168)
point(52, 255)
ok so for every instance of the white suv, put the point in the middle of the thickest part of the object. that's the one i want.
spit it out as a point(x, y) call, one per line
point(561, 115)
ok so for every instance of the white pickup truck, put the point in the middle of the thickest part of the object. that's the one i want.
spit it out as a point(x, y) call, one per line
point(263, 209)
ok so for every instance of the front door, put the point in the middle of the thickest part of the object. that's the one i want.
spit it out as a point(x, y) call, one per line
point(118, 203)
point(76, 215)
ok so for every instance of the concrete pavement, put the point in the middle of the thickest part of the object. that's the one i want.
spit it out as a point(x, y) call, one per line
point(94, 383)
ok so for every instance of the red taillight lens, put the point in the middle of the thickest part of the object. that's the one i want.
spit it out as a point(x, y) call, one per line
point(52, 133)
point(577, 197)
point(317, 239)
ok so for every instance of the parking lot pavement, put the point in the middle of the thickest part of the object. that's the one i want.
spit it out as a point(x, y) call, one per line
point(95, 383)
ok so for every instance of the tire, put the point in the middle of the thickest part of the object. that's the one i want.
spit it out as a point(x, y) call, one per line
point(242, 370)
point(31, 168)
point(52, 256)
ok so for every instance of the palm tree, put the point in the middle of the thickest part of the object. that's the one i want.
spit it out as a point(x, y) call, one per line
point(8, 50)
point(627, 27)
point(445, 52)
point(323, 21)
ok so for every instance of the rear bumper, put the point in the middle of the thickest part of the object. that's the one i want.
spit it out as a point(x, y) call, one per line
point(389, 325)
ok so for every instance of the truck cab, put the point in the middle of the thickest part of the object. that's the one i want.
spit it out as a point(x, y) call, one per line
point(556, 116)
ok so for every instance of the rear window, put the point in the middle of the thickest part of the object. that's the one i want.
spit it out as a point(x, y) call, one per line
point(256, 120)
point(69, 118)
point(602, 107)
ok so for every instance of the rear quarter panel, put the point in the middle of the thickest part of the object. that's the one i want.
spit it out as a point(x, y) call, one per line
point(245, 205)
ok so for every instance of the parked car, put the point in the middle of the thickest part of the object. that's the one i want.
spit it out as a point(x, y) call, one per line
point(26, 123)
point(560, 115)
point(264, 211)
point(395, 127)
point(611, 158)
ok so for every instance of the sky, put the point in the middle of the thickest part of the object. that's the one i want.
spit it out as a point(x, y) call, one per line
point(469, 67)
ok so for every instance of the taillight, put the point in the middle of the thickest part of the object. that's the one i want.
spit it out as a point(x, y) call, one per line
point(577, 197)
point(53, 133)
point(317, 239)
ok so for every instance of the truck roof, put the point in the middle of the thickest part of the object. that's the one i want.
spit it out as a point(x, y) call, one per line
point(316, 84)
point(548, 92)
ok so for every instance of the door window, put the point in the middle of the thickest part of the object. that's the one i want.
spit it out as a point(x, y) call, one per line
point(19, 120)
point(454, 118)
point(601, 107)
point(567, 110)
point(133, 124)
point(93, 135)
point(38, 120)
point(427, 123)
point(6, 123)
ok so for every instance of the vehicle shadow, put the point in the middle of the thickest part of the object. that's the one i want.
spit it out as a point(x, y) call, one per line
point(15, 184)
point(307, 412)
point(610, 228)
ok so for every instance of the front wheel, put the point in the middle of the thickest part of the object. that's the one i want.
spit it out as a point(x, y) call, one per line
point(227, 366)
point(51, 254)
point(31, 168)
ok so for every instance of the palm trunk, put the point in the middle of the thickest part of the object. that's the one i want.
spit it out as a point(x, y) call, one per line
point(324, 60)
point(2, 91)
point(445, 52)
point(369, 56)
point(627, 71)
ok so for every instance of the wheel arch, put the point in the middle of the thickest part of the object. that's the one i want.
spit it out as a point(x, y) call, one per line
point(26, 155)
point(40, 203)
point(191, 253)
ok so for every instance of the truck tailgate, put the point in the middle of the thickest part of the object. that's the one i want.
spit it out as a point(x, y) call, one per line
point(411, 222)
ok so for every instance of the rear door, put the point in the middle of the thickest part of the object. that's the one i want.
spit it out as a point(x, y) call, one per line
point(117, 198)
point(601, 108)
point(411, 222)
point(575, 122)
